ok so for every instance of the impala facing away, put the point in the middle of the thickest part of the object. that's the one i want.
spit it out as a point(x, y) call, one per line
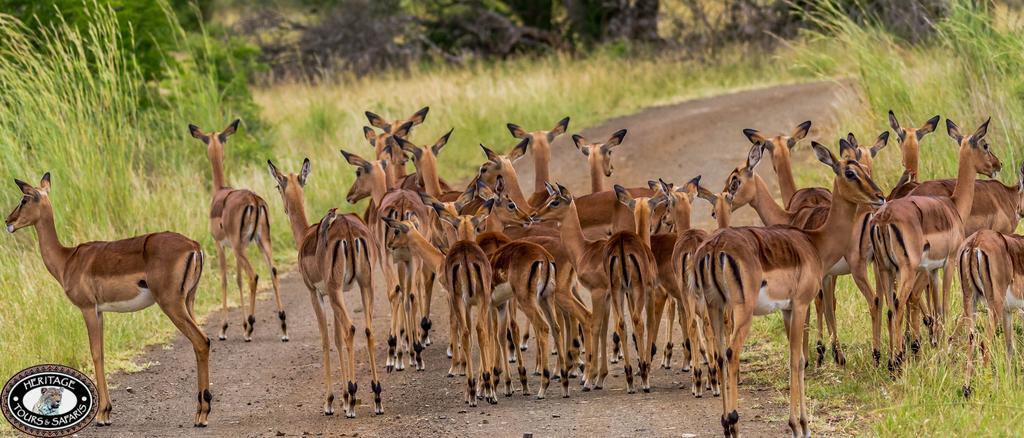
point(334, 255)
point(121, 276)
point(238, 217)
point(749, 271)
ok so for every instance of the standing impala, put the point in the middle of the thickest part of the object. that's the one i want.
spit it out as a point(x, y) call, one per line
point(238, 217)
point(991, 265)
point(780, 148)
point(333, 257)
point(915, 236)
point(750, 271)
point(121, 276)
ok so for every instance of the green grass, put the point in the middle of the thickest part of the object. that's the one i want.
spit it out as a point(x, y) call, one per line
point(968, 72)
point(76, 105)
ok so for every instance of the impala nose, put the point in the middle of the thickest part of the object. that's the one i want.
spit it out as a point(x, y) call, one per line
point(10, 228)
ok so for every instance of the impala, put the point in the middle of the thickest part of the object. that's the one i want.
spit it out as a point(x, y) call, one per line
point(619, 271)
point(915, 236)
point(121, 276)
point(467, 276)
point(333, 257)
point(990, 268)
point(238, 217)
point(749, 271)
point(400, 270)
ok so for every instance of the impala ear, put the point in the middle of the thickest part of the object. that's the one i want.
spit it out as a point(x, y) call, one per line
point(564, 191)
point(25, 187)
point(403, 130)
point(928, 127)
point(624, 197)
point(499, 184)
point(516, 131)
point(419, 116)
point(851, 138)
point(198, 133)
point(377, 121)
point(384, 164)
point(615, 139)
point(880, 143)
point(753, 157)
point(799, 133)
point(847, 150)
point(304, 173)
point(44, 182)
point(653, 185)
point(825, 156)
point(489, 204)
point(581, 144)
point(754, 136)
point(371, 135)
point(441, 142)
point(229, 131)
point(354, 159)
point(517, 152)
point(559, 129)
point(407, 146)
point(484, 192)
point(479, 218)
point(430, 201)
point(693, 185)
point(895, 125)
point(980, 133)
point(491, 156)
point(706, 195)
point(954, 131)
point(281, 180)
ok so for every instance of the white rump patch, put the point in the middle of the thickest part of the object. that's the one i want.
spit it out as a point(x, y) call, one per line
point(1012, 301)
point(141, 301)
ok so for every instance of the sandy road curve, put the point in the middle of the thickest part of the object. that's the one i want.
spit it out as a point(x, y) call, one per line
point(270, 388)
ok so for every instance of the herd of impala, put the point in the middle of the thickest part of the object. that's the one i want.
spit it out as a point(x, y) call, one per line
point(498, 252)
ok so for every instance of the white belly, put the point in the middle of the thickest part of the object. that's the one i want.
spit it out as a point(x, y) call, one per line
point(930, 264)
point(1012, 302)
point(840, 268)
point(141, 301)
point(501, 293)
point(766, 304)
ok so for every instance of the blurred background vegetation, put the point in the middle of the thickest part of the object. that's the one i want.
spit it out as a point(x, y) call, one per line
point(100, 92)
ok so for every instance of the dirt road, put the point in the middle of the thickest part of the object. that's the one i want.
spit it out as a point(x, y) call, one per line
point(268, 388)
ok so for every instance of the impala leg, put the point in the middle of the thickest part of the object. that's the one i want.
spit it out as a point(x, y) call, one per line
point(223, 260)
point(619, 308)
point(245, 268)
point(830, 319)
point(263, 239)
point(428, 298)
point(717, 376)
point(455, 327)
point(501, 335)
point(365, 279)
point(858, 269)
point(325, 345)
point(178, 314)
point(969, 294)
point(819, 308)
point(655, 311)
point(947, 286)
point(901, 306)
point(512, 335)
point(742, 318)
point(413, 309)
point(466, 320)
point(798, 417)
point(636, 301)
point(564, 352)
point(94, 325)
point(344, 332)
point(666, 359)
point(599, 334)
point(532, 310)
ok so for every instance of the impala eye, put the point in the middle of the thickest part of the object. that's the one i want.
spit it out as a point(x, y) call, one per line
point(553, 203)
point(24, 201)
point(850, 174)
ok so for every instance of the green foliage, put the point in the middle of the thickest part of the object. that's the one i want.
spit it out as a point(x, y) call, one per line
point(142, 25)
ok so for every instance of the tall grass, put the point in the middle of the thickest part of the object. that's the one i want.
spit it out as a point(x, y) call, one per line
point(967, 72)
point(74, 103)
